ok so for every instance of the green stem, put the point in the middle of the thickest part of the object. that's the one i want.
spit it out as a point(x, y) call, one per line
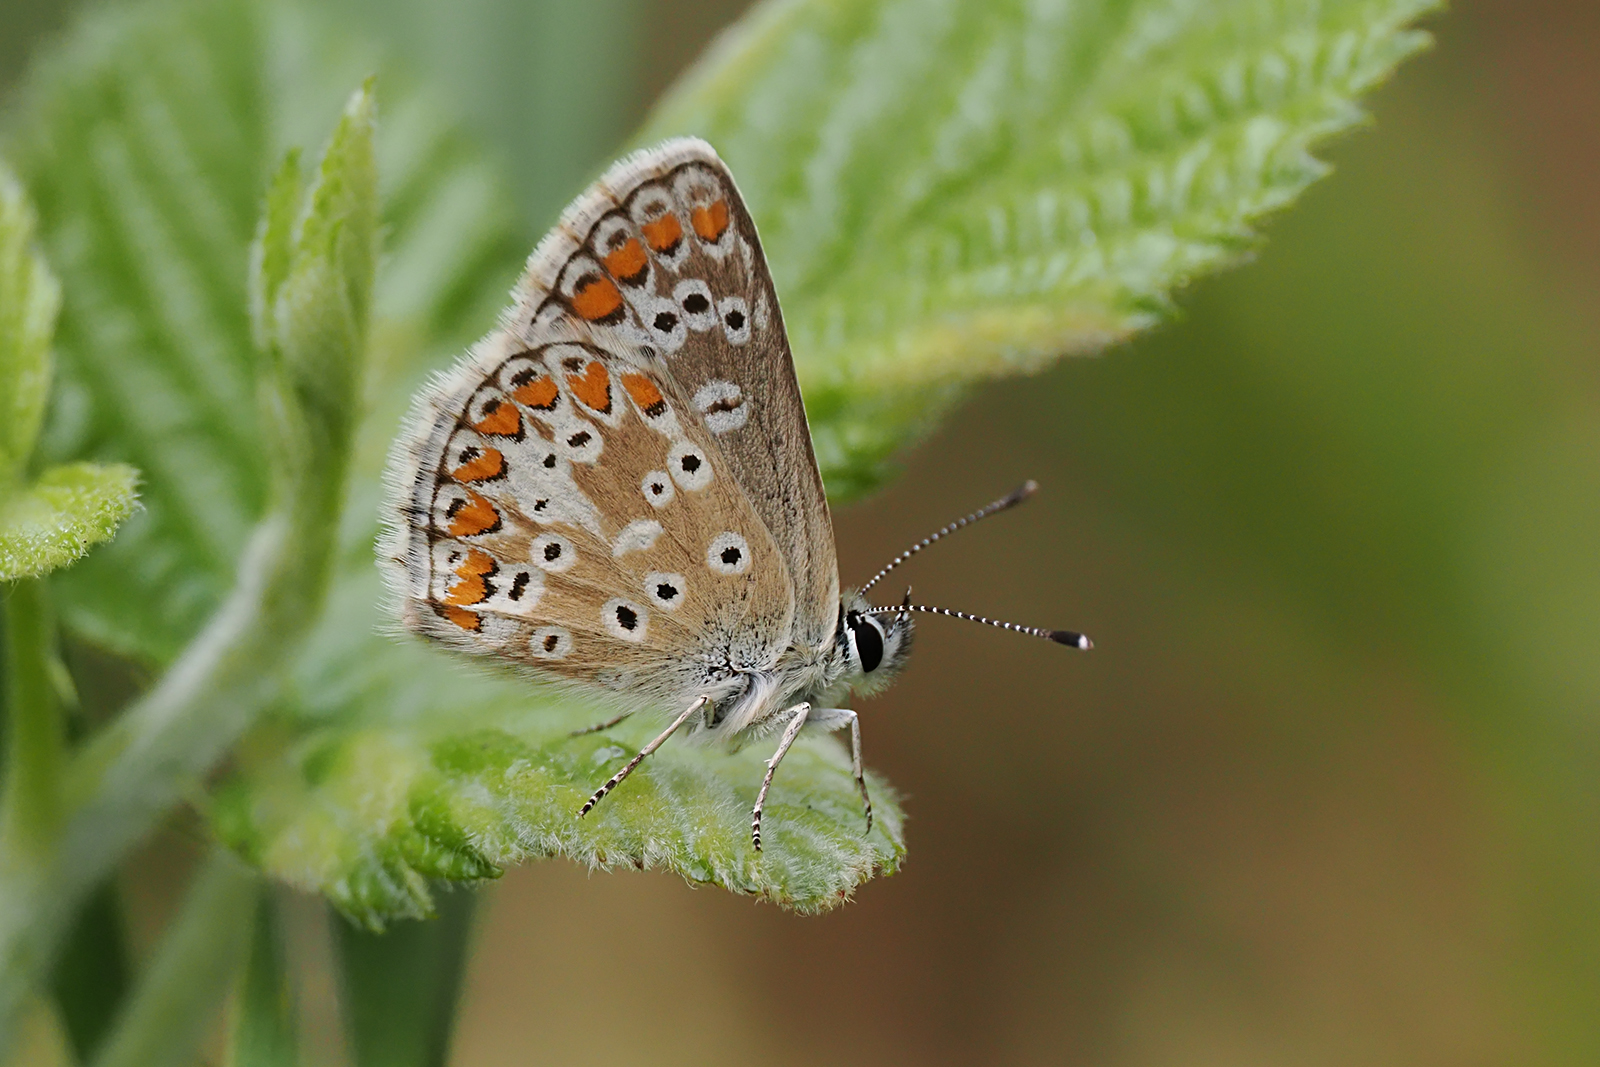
point(263, 1029)
point(400, 988)
point(35, 741)
point(91, 977)
point(173, 1006)
point(140, 766)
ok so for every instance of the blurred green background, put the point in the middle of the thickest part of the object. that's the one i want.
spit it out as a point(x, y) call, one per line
point(1325, 793)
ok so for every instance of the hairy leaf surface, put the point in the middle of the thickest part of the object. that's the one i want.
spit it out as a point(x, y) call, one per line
point(52, 520)
point(951, 190)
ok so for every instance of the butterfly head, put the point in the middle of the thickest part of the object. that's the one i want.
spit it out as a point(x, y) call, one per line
point(873, 646)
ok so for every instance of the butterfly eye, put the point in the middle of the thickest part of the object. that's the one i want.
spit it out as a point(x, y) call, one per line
point(663, 318)
point(550, 642)
point(579, 445)
point(868, 638)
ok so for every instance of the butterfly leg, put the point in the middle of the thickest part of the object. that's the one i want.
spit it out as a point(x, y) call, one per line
point(694, 708)
point(829, 719)
point(597, 727)
point(797, 718)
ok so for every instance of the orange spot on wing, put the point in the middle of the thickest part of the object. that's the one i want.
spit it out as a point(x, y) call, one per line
point(663, 233)
point(597, 299)
point(499, 419)
point(593, 387)
point(627, 262)
point(472, 516)
point(645, 394)
point(541, 393)
point(709, 221)
point(463, 618)
point(485, 465)
point(472, 579)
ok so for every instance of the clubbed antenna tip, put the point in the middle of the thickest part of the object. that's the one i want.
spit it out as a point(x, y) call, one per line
point(1068, 637)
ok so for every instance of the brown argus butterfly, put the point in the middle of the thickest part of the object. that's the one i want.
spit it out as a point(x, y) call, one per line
point(616, 487)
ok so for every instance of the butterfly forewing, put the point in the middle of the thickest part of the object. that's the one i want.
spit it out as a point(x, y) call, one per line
point(707, 296)
point(597, 491)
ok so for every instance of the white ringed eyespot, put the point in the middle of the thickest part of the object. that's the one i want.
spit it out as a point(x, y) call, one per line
point(657, 489)
point(728, 553)
point(553, 553)
point(624, 620)
point(690, 466)
point(550, 642)
point(723, 406)
point(664, 590)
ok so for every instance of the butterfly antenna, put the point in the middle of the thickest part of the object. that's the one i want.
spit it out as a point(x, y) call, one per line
point(1061, 637)
point(1010, 500)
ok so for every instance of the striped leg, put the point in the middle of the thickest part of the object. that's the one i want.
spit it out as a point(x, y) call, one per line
point(797, 719)
point(837, 718)
point(699, 703)
point(597, 727)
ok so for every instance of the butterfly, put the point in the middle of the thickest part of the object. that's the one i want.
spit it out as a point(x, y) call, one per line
point(616, 487)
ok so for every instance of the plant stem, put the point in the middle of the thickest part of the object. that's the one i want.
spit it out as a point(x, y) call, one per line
point(195, 967)
point(399, 989)
point(32, 805)
point(262, 1033)
point(139, 767)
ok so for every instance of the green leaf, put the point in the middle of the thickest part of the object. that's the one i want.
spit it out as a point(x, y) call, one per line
point(947, 191)
point(53, 521)
point(399, 767)
point(951, 191)
point(400, 987)
point(165, 1020)
point(91, 973)
point(148, 137)
point(312, 293)
point(57, 518)
point(29, 299)
point(272, 254)
point(263, 1030)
